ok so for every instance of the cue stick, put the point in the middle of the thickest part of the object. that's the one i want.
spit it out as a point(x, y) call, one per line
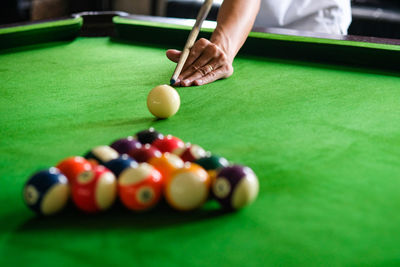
point(201, 16)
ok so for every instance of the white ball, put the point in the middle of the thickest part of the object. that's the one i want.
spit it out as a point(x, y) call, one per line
point(163, 101)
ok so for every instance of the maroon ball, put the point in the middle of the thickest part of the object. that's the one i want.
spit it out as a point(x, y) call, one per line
point(124, 145)
point(144, 153)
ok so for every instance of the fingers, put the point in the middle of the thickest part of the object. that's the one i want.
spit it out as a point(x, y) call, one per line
point(211, 66)
point(220, 73)
point(209, 56)
point(195, 52)
point(211, 77)
point(173, 55)
point(196, 73)
point(206, 63)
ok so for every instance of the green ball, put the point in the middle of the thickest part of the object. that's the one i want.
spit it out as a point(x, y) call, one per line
point(212, 162)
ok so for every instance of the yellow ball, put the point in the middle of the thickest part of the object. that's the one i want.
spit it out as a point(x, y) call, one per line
point(163, 101)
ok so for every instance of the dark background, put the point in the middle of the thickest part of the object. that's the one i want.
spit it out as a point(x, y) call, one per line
point(378, 18)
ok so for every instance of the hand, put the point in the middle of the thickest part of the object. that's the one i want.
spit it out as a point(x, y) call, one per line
point(206, 63)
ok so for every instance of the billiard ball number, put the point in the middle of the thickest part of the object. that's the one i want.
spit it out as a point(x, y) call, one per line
point(46, 192)
point(235, 187)
point(95, 190)
point(72, 167)
point(140, 188)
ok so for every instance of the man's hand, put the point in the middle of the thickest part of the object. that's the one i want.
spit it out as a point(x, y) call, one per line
point(207, 62)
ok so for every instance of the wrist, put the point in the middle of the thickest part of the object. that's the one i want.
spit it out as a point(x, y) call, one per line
point(225, 43)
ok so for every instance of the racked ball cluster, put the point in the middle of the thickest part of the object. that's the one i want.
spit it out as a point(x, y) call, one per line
point(141, 170)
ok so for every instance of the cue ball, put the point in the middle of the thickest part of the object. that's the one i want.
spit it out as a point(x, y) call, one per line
point(163, 101)
point(47, 191)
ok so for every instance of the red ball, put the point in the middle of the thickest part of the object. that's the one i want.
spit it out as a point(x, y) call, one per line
point(144, 153)
point(94, 190)
point(140, 188)
point(168, 143)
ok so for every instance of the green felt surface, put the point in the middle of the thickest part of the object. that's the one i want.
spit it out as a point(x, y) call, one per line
point(322, 139)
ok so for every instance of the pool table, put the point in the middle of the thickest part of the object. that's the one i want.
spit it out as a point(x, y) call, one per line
point(317, 118)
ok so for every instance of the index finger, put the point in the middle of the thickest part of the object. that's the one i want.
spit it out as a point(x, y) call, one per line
point(195, 52)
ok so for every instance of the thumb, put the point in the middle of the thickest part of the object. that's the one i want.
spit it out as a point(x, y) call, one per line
point(173, 55)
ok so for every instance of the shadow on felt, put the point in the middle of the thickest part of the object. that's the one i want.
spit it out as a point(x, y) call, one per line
point(119, 217)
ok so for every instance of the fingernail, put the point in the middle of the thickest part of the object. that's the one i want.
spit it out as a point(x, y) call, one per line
point(199, 82)
point(186, 82)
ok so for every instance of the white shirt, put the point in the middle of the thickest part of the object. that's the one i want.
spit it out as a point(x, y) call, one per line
point(324, 16)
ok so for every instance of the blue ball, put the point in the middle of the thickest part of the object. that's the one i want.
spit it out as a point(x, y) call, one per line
point(118, 165)
point(46, 192)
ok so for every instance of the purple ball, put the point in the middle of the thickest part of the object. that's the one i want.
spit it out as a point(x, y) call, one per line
point(235, 187)
point(124, 145)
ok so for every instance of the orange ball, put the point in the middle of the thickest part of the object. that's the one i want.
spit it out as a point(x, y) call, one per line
point(188, 188)
point(72, 167)
point(140, 188)
point(167, 164)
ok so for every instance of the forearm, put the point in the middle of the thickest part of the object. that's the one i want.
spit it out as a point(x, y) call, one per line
point(235, 20)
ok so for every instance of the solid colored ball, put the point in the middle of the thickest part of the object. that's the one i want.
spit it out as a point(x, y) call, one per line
point(190, 152)
point(187, 188)
point(118, 165)
point(46, 192)
point(73, 166)
point(148, 136)
point(140, 188)
point(124, 145)
point(95, 190)
point(144, 153)
point(235, 187)
point(212, 164)
point(169, 144)
point(101, 154)
point(163, 101)
point(167, 164)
